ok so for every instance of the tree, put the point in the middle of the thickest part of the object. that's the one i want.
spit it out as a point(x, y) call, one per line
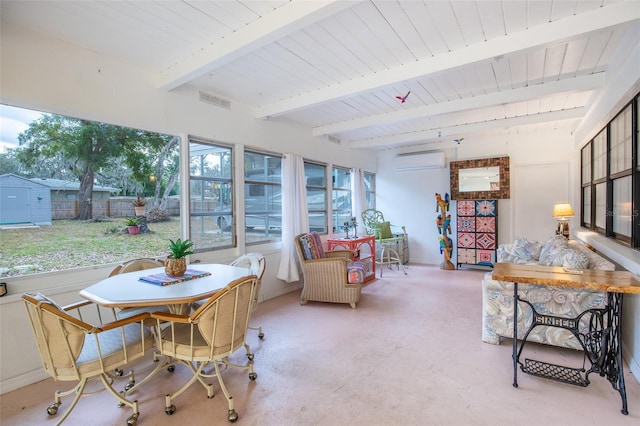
point(87, 149)
point(9, 163)
point(158, 159)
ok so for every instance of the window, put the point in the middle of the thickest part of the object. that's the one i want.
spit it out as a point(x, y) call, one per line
point(211, 195)
point(262, 197)
point(586, 186)
point(316, 196)
point(370, 189)
point(341, 198)
point(609, 174)
point(73, 182)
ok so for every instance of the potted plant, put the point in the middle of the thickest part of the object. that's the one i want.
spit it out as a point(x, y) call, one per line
point(139, 205)
point(176, 263)
point(132, 225)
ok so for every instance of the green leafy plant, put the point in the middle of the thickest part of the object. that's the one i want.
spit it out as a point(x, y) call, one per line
point(180, 248)
point(139, 202)
point(132, 221)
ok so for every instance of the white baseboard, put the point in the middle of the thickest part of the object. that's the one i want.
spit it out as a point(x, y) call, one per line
point(634, 366)
point(22, 381)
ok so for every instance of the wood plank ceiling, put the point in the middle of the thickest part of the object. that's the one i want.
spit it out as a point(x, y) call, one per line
point(471, 67)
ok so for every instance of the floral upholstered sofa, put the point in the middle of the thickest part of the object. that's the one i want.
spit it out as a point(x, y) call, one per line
point(497, 296)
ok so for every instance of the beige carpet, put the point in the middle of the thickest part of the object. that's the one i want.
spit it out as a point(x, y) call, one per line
point(410, 354)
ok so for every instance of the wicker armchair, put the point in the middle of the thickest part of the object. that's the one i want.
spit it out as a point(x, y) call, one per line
point(328, 276)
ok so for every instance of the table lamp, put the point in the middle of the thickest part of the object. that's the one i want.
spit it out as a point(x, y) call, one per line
point(563, 211)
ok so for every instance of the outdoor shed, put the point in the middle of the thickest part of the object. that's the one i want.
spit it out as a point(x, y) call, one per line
point(24, 201)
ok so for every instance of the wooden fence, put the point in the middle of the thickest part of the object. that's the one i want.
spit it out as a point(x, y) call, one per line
point(111, 207)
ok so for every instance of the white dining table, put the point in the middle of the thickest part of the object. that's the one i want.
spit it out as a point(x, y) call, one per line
point(125, 290)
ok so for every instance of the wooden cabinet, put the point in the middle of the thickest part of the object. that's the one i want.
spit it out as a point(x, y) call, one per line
point(365, 248)
point(477, 232)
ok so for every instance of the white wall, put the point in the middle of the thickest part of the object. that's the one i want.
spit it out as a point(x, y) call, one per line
point(541, 175)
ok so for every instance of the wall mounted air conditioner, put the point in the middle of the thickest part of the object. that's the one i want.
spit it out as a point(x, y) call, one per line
point(418, 161)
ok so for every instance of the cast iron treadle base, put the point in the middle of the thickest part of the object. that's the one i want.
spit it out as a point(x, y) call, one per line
point(558, 373)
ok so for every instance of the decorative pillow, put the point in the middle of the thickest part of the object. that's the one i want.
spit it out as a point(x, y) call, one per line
point(527, 250)
point(356, 272)
point(551, 249)
point(318, 241)
point(568, 258)
point(385, 230)
point(310, 247)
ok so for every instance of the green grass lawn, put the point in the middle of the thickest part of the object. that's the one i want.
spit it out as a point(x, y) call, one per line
point(70, 244)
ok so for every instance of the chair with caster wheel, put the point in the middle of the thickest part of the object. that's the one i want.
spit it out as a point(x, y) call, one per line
point(256, 263)
point(209, 336)
point(132, 265)
point(74, 350)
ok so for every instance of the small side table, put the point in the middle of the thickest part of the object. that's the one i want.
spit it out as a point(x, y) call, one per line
point(368, 241)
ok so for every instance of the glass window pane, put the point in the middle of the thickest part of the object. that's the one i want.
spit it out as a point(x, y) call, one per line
point(370, 189)
point(44, 151)
point(600, 156)
point(622, 207)
point(621, 128)
point(586, 164)
point(341, 198)
point(262, 197)
point(586, 206)
point(341, 179)
point(211, 195)
point(638, 126)
point(601, 206)
point(316, 196)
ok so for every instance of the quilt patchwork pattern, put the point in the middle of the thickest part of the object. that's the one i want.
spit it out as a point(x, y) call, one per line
point(486, 257)
point(486, 224)
point(486, 241)
point(466, 208)
point(466, 224)
point(466, 255)
point(477, 232)
point(486, 207)
point(466, 240)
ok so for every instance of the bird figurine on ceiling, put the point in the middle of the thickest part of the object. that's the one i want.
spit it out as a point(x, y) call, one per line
point(403, 99)
point(458, 140)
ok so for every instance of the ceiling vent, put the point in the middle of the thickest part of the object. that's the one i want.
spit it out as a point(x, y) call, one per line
point(334, 139)
point(418, 161)
point(214, 100)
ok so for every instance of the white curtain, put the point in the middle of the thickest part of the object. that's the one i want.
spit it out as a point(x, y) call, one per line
point(295, 214)
point(358, 197)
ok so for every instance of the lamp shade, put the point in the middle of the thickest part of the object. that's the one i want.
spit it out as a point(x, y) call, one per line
point(562, 210)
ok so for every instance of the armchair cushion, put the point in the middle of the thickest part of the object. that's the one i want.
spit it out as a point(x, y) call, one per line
point(568, 258)
point(552, 249)
point(527, 250)
point(311, 246)
point(356, 272)
point(384, 230)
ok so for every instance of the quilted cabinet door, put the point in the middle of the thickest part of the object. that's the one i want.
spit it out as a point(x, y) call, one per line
point(477, 230)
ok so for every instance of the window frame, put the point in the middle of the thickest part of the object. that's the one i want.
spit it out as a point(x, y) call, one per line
point(213, 180)
point(311, 187)
point(337, 223)
point(601, 190)
point(269, 187)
